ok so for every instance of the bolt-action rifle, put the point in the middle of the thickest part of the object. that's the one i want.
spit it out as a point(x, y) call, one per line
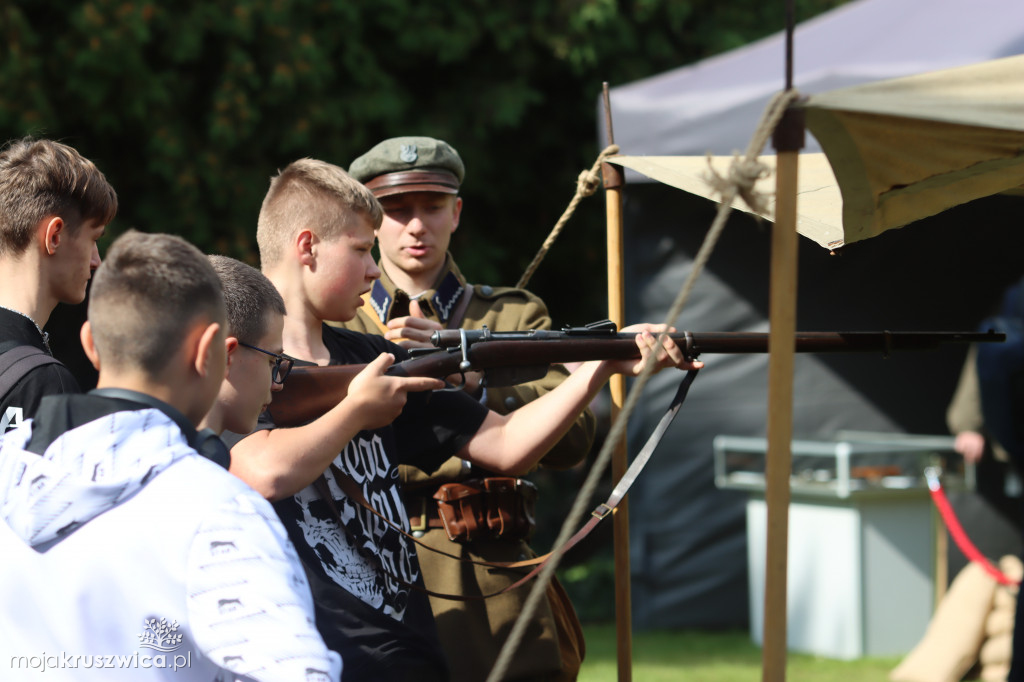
point(509, 358)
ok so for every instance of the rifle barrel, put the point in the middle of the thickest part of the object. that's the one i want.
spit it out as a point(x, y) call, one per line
point(514, 346)
point(311, 391)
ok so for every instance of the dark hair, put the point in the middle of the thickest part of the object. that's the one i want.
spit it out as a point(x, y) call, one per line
point(41, 178)
point(144, 296)
point(248, 297)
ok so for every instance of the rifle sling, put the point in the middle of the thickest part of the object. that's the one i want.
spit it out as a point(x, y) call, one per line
point(352, 490)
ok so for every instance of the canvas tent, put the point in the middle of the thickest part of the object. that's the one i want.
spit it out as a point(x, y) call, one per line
point(713, 106)
point(687, 538)
point(905, 148)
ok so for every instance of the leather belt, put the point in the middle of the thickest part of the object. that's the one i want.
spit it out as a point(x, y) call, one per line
point(422, 512)
point(499, 507)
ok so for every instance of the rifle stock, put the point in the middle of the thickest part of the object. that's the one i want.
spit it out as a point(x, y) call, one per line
point(311, 391)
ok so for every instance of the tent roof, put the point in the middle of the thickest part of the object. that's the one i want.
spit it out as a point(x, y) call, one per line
point(897, 151)
point(911, 147)
point(819, 202)
point(714, 105)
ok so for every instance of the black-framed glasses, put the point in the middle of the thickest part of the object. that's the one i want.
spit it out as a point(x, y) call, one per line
point(282, 363)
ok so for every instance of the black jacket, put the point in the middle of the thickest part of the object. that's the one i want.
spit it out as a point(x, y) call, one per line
point(22, 401)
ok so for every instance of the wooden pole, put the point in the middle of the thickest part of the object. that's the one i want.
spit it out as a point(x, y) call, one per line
point(781, 343)
point(788, 139)
point(613, 181)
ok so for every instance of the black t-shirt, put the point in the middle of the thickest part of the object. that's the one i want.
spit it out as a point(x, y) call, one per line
point(383, 629)
point(22, 401)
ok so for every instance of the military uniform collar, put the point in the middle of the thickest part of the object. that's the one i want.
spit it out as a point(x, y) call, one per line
point(388, 301)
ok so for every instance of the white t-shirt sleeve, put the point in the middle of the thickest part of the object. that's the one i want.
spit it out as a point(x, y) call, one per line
point(249, 604)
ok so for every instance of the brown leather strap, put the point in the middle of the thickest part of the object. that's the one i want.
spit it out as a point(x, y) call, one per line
point(422, 513)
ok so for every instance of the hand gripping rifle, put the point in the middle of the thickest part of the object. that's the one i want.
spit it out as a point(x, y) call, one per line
point(509, 358)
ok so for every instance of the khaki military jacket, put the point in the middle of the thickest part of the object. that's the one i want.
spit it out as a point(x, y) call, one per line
point(473, 632)
point(500, 309)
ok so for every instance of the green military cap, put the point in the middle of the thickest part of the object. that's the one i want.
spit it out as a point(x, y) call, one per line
point(410, 164)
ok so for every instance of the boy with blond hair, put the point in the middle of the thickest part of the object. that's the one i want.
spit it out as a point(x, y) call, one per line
point(122, 546)
point(316, 233)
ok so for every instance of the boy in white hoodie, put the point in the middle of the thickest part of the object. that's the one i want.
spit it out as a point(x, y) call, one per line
point(126, 555)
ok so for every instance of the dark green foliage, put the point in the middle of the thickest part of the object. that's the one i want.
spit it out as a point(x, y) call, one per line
point(189, 107)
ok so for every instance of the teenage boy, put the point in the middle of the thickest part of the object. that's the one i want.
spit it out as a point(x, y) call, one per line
point(256, 366)
point(123, 548)
point(315, 234)
point(421, 290)
point(54, 207)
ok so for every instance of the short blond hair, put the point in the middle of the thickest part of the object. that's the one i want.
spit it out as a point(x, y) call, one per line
point(311, 194)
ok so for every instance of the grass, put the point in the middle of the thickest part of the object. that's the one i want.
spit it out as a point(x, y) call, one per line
point(694, 656)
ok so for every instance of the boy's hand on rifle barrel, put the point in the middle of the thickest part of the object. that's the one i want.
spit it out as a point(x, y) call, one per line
point(647, 340)
point(376, 399)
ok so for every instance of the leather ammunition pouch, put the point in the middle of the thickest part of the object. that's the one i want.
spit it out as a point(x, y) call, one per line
point(498, 507)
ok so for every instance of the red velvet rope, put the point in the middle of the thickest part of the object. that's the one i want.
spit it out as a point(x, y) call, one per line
point(958, 534)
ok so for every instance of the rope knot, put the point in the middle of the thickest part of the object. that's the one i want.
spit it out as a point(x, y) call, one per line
point(587, 183)
point(589, 180)
point(741, 179)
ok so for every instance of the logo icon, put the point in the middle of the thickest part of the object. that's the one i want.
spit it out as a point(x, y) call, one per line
point(160, 635)
point(408, 153)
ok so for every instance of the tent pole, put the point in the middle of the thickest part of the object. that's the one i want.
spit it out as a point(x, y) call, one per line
point(788, 140)
point(613, 181)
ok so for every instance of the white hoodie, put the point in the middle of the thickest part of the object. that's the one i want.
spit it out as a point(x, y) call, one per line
point(126, 555)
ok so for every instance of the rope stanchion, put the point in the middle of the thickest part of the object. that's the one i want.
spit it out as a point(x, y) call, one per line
point(957, 532)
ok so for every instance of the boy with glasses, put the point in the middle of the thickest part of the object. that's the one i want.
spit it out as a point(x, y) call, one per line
point(256, 366)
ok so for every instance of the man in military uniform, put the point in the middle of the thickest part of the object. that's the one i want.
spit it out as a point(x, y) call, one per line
point(421, 290)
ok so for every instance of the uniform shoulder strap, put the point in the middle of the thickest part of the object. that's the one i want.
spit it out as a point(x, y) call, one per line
point(17, 360)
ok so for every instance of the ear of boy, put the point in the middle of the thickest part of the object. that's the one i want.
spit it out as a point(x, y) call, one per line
point(305, 243)
point(230, 346)
point(52, 232)
point(189, 381)
point(210, 364)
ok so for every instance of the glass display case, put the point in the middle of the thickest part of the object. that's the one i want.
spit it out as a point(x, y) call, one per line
point(850, 463)
point(861, 537)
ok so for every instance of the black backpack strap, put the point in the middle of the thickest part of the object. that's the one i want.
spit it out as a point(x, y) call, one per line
point(18, 360)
